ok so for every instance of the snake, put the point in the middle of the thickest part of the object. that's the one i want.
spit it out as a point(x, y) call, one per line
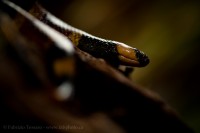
point(112, 51)
point(58, 51)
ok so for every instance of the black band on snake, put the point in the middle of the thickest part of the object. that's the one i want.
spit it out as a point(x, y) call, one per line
point(111, 51)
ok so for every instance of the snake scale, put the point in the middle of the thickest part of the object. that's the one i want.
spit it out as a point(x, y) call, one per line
point(112, 51)
point(54, 40)
point(116, 53)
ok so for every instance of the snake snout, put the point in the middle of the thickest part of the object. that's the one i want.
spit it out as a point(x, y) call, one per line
point(131, 56)
point(142, 58)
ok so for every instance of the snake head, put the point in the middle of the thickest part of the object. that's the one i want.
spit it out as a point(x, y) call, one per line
point(131, 56)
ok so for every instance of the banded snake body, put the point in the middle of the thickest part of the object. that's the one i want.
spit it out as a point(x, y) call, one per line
point(112, 51)
point(60, 64)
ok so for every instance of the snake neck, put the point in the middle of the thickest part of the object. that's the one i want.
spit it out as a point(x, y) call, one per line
point(96, 46)
point(112, 51)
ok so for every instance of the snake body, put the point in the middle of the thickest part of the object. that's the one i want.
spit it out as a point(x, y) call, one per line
point(95, 46)
point(112, 51)
point(57, 51)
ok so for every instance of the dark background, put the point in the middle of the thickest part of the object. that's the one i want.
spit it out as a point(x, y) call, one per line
point(168, 31)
